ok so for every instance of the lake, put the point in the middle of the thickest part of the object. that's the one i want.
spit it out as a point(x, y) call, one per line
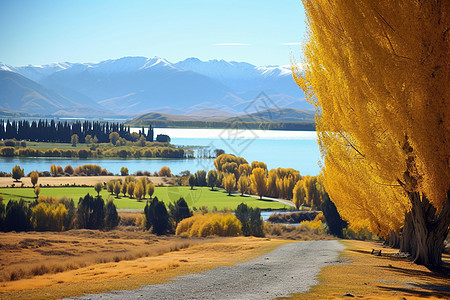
point(286, 149)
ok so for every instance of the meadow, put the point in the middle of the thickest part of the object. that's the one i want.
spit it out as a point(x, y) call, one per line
point(198, 197)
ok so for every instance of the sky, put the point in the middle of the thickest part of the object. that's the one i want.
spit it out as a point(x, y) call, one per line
point(261, 32)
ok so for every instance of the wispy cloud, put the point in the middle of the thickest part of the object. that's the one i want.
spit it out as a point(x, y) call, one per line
point(291, 44)
point(232, 44)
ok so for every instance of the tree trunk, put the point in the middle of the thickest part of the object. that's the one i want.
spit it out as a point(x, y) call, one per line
point(408, 240)
point(430, 229)
point(393, 239)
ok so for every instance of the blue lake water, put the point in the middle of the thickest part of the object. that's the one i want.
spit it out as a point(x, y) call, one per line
point(286, 149)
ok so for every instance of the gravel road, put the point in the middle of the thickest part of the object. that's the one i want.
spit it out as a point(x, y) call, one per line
point(291, 268)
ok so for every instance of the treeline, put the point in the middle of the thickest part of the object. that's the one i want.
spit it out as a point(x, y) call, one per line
point(236, 174)
point(61, 132)
point(306, 126)
point(50, 214)
point(122, 152)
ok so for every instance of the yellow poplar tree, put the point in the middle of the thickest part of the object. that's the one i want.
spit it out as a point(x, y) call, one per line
point(378, 74)
point(259, 181)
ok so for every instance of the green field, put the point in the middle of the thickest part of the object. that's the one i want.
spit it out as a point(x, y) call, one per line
point(200, 196)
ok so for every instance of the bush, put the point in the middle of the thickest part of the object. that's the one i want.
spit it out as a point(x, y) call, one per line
point(68, 170)
point(7, 151)
point(250, 218)
point(180, 210)
point(209, 224)
point(89, 170)
point(45, 217)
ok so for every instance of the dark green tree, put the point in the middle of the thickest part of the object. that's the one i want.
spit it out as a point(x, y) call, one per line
point(251, 221)
point(179, 210)
point(334, 221)
point(17, 216)
point(112, 218)
point(192, 181)
point(91, 212)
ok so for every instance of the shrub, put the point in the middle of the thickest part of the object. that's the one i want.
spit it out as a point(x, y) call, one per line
point(250, 218)
point(89, 170)
point(209, 224)
point(45, 216)
point(180, 210)
point(68, 170)
point(7, 151)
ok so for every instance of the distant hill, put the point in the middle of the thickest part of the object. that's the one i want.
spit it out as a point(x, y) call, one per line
point(287, 115)
point(132, 86)
point(21, 95)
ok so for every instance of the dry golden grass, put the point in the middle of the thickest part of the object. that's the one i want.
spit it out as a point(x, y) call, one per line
point(83, 261)
point(377, 277)
point(79, 180)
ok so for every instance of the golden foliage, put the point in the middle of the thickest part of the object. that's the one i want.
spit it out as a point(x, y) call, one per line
point(46, 216)
point(377, 71)
point(209, 224)
point(259, 181)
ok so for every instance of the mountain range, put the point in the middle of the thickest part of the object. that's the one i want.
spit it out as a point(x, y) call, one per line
point(132, 86)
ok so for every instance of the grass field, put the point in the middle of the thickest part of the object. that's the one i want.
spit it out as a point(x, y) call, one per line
point(200, 196)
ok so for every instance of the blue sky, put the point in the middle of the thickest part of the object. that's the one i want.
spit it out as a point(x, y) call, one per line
point(255, 31)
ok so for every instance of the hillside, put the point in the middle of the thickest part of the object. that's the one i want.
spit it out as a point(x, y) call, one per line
point(282, 119)
point(21, 95)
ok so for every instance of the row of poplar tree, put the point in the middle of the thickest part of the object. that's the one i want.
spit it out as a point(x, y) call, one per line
point(61, 132)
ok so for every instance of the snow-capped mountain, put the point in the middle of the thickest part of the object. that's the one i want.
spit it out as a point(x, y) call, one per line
point(135, 85)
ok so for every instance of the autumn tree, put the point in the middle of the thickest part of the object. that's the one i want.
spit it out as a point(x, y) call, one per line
point(191, 181)
point(74, 140)
point(34, 177)
point(258, 164)
point(243, 184)
point(229, 183)
point(124, 171)
point(139, 190)
point(98, 188)
point(37, 191)
point(17, 173)
point(150, 189)
point(114, 137)
point(117, 188)
point(130, 187)
point(212, 179)
point(245, 169)
point(377, 72)
point(299, 194)
point(165, 171)
point(259, 181)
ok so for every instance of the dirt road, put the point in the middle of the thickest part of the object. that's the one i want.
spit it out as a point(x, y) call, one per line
point(291, 268)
